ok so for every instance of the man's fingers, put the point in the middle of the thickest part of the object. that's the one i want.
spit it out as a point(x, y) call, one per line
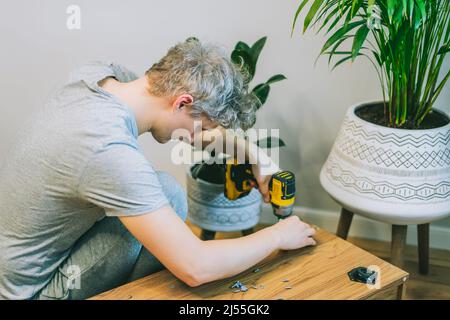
point(264, 189)
point(310, 232)
point(304, 224)
point(310, 242)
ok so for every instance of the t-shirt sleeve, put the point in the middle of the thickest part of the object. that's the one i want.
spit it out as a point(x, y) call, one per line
point(121, 181)
point(96, 70)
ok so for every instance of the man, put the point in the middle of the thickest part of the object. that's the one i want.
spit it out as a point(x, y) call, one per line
point(83, 211)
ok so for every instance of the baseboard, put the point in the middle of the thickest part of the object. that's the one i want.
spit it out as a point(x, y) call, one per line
point(361, 227)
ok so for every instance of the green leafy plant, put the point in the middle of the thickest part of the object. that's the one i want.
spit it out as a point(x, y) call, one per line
point(406, 41)
point(247, 58)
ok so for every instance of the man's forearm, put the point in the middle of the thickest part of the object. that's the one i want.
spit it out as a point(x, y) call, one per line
point(223, 258)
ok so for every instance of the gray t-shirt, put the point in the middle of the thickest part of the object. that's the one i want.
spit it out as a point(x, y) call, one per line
point(76, 161)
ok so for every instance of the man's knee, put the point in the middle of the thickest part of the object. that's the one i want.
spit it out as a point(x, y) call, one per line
point(174, 192)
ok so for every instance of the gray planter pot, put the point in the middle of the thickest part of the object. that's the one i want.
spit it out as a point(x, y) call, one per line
point(211, 210)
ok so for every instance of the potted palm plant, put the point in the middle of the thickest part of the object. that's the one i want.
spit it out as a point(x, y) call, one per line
point(208, 207)
point(391, 158)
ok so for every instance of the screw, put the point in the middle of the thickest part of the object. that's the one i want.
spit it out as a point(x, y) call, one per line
point(239, 286)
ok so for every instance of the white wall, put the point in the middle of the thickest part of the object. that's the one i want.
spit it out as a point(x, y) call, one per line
point(38, 51)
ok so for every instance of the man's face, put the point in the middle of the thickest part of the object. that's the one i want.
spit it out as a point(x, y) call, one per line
point(178, 116)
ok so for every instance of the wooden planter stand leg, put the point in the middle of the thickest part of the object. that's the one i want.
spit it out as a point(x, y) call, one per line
point(398, 243)
point(207, 234)
point(344, 223)
point(423, 244)
point(248, 231)
point(401, 290)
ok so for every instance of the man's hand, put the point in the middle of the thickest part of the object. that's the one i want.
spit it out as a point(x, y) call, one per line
point(262, 183)
point(294, 234)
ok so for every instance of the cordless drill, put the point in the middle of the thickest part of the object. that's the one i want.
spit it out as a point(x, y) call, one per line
point(238, 184)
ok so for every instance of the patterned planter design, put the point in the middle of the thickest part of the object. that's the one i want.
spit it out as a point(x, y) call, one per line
point(397, 176)
point(211, 210)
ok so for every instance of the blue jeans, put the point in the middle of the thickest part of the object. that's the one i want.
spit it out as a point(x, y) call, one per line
point(108, 255)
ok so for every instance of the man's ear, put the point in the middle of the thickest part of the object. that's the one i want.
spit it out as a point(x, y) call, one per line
point(182, 101)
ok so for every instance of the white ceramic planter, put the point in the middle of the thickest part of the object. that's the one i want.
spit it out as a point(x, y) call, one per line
point(396, 176)
point(211, 210)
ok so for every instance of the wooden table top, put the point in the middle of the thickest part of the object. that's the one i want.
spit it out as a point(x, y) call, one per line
point(318, 272)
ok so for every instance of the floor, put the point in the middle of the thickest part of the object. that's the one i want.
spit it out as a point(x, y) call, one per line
point(436, 285)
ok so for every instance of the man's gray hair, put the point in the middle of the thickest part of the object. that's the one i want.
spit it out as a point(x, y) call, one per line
point(217, 85)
